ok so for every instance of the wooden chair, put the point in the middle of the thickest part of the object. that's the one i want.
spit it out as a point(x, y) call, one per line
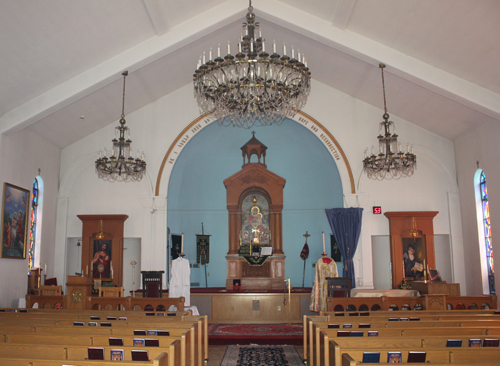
point(111, 291)
point(50, 290)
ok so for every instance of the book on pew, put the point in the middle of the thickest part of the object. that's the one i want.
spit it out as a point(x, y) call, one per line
point(115, 341)
point(171, 314)
point(160, 314)
point(122, 318)
point(346, 325)
point(414, 318)
point(139, 355)
point(152, 342)
point(371, 357)
point(373, 333)
point(13, 310)
point(92, 324)
point(95, 317)
point(139, 332)
point(163, 333)
point(139, 342)
point(339, 314)
point(454, 343)
point(490, 342)
point(416, 356)
point(393, 319)
point(364, 314)
point(356, 333)
point(394, 357)
point(343, 333)
point(23, 310)
point(2, 310)
point(150, 314)
point(79, 324)
point(403, 319)
point(497, 312)
point(111, 318)
point(95, 353)
point(117, 355)
point(105, 324)
point(475, 342)
point(333, 326)
point(152, 332)
point(353, 314)
point(364, 325)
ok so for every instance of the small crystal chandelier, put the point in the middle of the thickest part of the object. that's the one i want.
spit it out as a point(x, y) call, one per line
point(251, 87)
point(391, 162)
point(121, 166)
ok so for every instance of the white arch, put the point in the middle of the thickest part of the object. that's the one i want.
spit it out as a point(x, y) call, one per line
point(326, 138)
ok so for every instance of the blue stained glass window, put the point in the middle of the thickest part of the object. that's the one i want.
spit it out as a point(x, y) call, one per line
point(34, 206)
point(487, 231)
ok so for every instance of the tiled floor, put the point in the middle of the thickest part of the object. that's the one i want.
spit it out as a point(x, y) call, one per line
point(216, 354)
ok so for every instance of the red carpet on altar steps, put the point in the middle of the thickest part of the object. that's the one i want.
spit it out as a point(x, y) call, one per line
point(225, 334)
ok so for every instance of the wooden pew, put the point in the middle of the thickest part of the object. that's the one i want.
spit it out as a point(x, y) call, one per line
point(76, 335)
point(463, 356)
point(80, 353)
point(347, 360)
point(199, 341)
point(335, 347)
point(161, 360)
point(323, 335)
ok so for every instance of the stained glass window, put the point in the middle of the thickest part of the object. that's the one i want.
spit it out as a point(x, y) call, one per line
point(487, 231)
point(32, 233)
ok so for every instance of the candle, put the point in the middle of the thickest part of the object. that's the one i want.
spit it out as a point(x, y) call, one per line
point(182, 243)
point(45, 268)
point(403, 269)
point(324, 248)
point(111, 266)
point(228, 48)
point(218, 51)
point(284, 50)
point(239, 47)
point(274, 46)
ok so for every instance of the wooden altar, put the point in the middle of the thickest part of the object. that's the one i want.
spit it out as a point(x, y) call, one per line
point(255, 205)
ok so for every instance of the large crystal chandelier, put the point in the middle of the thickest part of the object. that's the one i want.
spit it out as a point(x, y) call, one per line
point(391, 162)
point(121, 166)
point(251, 87)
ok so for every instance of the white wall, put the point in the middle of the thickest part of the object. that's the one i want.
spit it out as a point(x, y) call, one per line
point(23, 153)
point(353, 123)
point(478, 146)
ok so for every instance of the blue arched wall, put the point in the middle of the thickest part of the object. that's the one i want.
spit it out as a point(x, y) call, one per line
point(197, 195)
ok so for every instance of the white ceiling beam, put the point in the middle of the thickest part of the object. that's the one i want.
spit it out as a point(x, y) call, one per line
point(398, 63)
point(342, 13)
point(110, 70)
point(158, 15)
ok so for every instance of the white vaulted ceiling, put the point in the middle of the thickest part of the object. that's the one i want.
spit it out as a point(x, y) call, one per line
point(63, 59)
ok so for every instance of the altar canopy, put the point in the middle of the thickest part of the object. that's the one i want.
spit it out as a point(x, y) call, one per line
point(346, 226)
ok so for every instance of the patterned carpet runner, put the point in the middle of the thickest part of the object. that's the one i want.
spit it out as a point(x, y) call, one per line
point(254, 355)
point(221, 334)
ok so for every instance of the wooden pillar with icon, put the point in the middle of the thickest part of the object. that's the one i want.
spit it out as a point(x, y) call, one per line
point(412, 239)
point(102, 248)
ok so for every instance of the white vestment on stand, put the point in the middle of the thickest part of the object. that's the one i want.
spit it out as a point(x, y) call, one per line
point(180, 284)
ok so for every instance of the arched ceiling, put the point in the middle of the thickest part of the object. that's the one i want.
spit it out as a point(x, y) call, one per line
point(62, 60)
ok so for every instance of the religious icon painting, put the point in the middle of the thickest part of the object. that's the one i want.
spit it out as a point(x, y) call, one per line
point(101, 260)
point(175, 250)
point(15, 212)
point(203, 249)
point(414, 258)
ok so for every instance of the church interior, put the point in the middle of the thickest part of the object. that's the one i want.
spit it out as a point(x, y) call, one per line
point(253, 212)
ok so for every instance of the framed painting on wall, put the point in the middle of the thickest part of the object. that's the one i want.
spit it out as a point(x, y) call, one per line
point(15, 211)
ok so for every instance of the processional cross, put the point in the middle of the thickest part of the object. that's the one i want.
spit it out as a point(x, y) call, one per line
point(306, 235)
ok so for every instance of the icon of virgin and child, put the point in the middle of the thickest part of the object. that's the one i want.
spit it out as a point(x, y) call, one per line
point(255, 225)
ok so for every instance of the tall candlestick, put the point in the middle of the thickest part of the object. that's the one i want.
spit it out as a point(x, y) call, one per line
point(324, 248)
point(182, 243)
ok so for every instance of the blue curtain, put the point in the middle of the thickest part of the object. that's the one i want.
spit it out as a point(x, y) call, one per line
point(346, 227)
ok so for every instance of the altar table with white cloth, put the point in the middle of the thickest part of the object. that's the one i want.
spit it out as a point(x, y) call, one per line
point(377, 293)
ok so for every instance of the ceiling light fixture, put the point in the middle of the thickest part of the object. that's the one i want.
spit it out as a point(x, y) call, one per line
point(121, 166)
point(251, 87)
point(391, 162)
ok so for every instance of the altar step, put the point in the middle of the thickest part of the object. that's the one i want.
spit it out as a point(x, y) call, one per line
point(226, 334)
